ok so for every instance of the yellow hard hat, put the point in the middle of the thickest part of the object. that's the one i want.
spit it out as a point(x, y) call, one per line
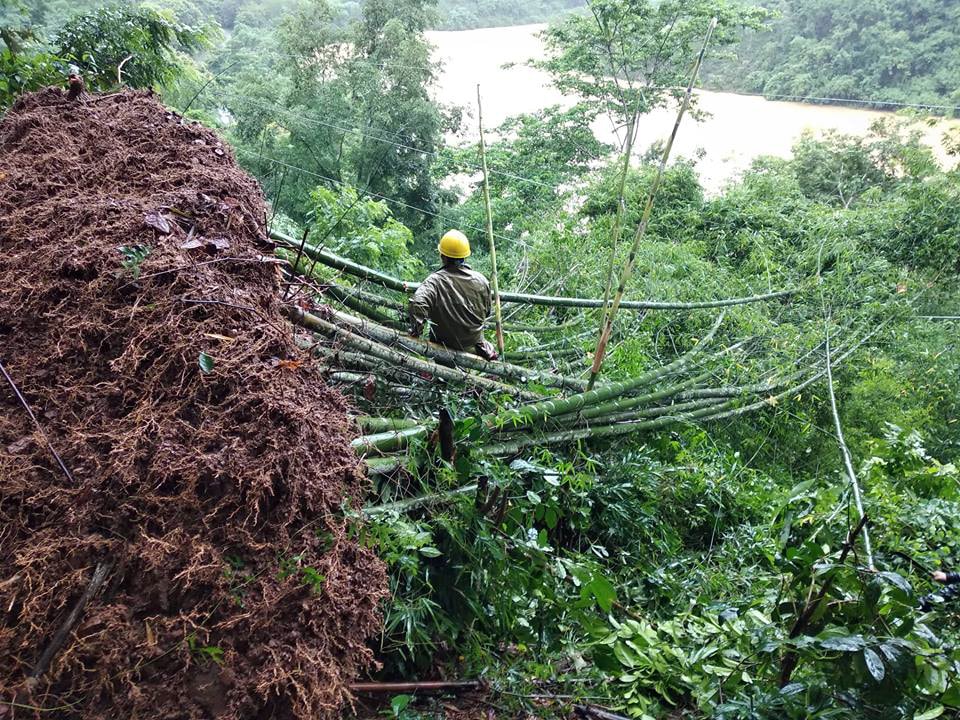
point(454, 244)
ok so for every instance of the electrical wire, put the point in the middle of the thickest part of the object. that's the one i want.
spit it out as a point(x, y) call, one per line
point(341, 183)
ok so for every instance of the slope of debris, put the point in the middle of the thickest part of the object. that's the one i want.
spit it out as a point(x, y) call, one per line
point(192, 551)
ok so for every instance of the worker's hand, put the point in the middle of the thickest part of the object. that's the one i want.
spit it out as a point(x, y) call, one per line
point(940, 576)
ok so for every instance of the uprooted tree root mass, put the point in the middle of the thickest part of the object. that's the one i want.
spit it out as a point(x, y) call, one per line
point(210, 464)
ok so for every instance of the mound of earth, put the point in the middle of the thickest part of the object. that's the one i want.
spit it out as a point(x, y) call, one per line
point(190, 557)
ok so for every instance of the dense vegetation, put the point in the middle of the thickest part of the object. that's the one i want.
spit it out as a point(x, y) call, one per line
point(895, 51)
point(467, 14)
point(667, 573)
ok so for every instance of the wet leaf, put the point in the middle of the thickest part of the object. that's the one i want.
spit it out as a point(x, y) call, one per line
point(849, 643)
point(399, 703)
point(158, 222)
point(874, 664)
point(205, 362)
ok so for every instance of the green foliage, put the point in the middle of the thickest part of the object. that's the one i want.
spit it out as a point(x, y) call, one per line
point(25, 71)
point(348, 101)
point(363, 230)
point(886, 50)
point(538, 159)
point(626, 56)
point(133, 257)
point(98, 42)
point(464, 15)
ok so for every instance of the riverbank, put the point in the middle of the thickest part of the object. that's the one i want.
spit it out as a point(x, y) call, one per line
point(737, 130)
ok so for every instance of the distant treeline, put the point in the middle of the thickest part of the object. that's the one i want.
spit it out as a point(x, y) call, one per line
point(469, 14)
point(899, 51)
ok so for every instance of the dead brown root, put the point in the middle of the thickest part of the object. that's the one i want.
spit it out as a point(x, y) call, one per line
point(143, 329)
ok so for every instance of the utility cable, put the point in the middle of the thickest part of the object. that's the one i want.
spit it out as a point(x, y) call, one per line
point(341, 183)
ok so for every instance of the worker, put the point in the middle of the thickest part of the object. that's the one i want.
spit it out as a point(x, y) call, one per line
point(455, 299)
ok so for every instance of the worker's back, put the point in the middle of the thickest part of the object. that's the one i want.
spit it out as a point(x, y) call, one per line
point(457, 302)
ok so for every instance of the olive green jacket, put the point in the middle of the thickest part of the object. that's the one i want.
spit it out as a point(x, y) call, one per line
point(457, 301)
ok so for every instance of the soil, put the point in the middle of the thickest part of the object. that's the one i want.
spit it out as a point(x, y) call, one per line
point(205, 464)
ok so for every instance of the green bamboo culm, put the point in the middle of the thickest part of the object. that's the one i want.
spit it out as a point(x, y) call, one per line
point(494, 282)
point(343, 264)
point(627, 271)
point(540, 411)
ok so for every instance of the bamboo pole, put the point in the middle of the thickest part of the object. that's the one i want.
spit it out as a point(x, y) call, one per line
point(537, 412)
point(372, 424)
point(494, 282)
point(847, 459)
point(389, 441)
point(351, 268)
point(618, 219)
point(348, 300)
point(625, 275)
point(378, 350)
point(456, 358)
point(537, 329)
point(623, 404)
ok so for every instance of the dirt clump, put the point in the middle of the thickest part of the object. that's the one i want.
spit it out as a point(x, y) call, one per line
point(200, 522)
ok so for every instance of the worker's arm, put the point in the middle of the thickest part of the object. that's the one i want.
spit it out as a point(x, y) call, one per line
point(420, 304)
point(946, 578)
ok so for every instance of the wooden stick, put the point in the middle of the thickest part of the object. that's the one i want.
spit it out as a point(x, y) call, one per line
point(413, 687)
point(498, 319)
point(99, 576)
point(627, 272)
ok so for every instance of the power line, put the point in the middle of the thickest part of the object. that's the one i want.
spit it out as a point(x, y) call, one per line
point(361, 133)
point(810, 99)
point(341, 183)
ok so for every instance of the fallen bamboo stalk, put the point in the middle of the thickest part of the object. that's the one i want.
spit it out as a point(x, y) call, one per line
point(544, 409)
point(674, 409)
point(382, 465)
point(847, 458)
point(628, 403)
point(419, 501)
point(381, 424)
point(409, 287)
point(345, 298)
point(494, 280)
point(521, 355)
point(388, 441)
point(535, 329)
point(378, 350)
point(439, 353)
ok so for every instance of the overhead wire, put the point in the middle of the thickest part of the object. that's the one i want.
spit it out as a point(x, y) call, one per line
point(378, 138)
point(342, 183)
point(806, 98)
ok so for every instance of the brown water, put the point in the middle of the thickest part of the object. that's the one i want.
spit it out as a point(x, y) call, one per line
point(739, 127)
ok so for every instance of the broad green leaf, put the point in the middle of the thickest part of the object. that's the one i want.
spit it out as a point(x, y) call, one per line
point(874, 664)
point(849, 643)
point(931, 713)
point(604, 592)
point(399, 703)
point(205, 362)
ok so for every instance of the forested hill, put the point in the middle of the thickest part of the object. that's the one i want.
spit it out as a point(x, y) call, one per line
point(897, 51)
point(467, 14)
